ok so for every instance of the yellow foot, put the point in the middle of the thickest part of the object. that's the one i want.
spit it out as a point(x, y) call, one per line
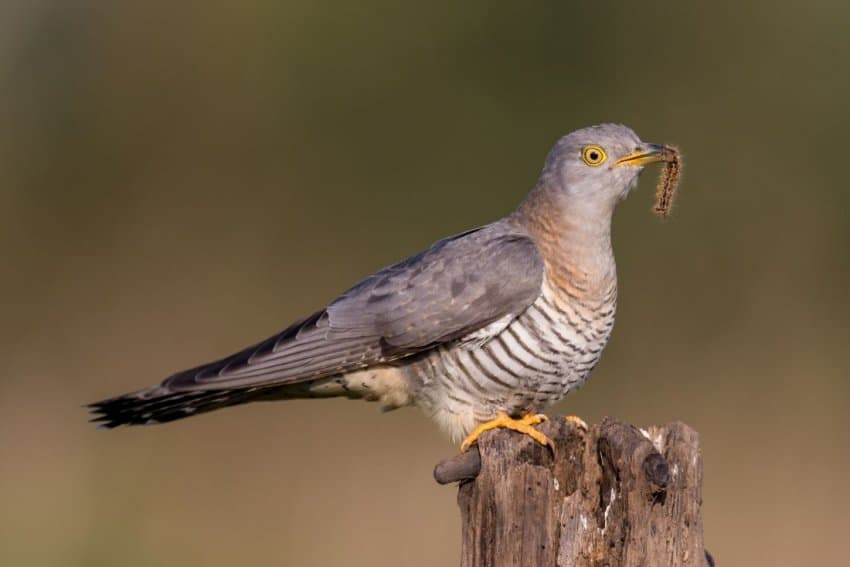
point(502, 420)
point(577, 422)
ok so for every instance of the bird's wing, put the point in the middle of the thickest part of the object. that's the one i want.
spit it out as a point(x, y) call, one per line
point(454, 288)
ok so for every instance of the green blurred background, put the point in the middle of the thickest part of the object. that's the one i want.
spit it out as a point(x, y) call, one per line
point(180, 179)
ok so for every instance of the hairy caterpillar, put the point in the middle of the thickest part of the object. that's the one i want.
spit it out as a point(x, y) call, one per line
point(669, 180)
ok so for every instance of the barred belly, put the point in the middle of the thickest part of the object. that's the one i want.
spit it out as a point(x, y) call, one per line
point(527, 362)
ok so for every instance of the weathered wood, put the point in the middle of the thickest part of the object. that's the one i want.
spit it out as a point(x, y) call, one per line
point(463, 466)
point(614, 496)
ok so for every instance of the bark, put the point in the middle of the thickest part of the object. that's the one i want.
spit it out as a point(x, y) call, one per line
point(614, 495)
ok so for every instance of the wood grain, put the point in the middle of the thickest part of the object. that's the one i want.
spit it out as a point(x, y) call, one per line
point(614, 495)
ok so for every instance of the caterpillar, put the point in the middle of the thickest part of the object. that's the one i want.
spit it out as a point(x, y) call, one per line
point(669, 181)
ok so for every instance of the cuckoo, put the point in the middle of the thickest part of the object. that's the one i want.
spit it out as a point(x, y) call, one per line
point(483, 329)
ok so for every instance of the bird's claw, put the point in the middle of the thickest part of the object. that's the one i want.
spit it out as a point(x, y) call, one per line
point(577, 422)
point(503, 421)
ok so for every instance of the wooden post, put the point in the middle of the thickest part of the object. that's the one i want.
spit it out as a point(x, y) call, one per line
point(614, 495)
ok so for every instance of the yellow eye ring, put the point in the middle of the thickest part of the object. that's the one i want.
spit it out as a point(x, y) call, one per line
point(593, 155)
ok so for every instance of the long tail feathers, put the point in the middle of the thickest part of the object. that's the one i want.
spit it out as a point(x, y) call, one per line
point(159, 405)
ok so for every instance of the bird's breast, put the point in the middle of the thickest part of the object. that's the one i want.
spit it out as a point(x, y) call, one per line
point(535, 360)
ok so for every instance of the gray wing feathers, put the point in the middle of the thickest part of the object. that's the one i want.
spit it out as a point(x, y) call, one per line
point(455, 287)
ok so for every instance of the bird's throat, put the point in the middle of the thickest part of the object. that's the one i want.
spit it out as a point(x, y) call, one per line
point(574, 238)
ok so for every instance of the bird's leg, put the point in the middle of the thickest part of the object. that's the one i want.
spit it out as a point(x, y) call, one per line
point(523, 425)
point(576, 421)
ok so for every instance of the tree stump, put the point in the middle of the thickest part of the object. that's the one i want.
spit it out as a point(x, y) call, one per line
point(614, 495)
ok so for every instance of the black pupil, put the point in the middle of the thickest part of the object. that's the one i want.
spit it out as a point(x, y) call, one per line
point(594, 156)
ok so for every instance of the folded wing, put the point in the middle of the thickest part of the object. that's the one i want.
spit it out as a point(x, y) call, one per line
point(454, 288)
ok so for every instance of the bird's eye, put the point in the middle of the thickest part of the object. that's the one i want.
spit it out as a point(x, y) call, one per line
point(593, 155)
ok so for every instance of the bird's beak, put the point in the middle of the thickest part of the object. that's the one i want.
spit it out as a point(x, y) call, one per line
point(649, 153)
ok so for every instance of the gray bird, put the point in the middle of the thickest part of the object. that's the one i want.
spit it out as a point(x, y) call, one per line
point(481, 330)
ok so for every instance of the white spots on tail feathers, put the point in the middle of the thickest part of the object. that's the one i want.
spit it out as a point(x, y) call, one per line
point(149, 419)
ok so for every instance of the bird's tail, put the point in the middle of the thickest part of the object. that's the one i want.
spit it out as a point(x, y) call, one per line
point(159, 405)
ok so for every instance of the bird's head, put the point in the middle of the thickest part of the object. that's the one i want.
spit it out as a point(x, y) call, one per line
point(599, 164)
